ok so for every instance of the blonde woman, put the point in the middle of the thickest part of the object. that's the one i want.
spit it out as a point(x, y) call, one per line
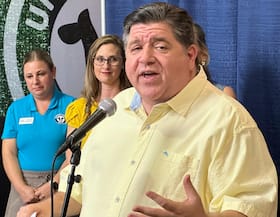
point(104, 78)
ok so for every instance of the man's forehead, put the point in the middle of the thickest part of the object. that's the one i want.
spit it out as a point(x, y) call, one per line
point(154, 26)
point(148, 31)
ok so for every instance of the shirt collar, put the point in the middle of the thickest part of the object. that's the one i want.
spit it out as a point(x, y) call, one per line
point(53, 103)
point(184, 99)
point(136, 101)
point(182, 102)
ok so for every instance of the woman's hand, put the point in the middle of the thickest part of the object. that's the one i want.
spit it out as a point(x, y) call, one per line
point(28, 195)
point(43, 191)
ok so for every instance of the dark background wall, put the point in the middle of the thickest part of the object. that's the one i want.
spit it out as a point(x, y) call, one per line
point(4, 182)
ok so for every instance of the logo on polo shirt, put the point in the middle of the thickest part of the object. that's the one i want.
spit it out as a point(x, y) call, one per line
point(60, 118)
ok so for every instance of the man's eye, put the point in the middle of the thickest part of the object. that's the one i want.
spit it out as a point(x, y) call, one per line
point(161, 47)
point(135, 48)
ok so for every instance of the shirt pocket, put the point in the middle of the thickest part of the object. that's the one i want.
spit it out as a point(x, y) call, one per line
point(169, 171)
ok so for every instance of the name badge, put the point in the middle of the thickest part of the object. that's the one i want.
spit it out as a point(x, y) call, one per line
point(28, 120)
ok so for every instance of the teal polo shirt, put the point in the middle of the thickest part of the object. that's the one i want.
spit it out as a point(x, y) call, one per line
point(38, 136)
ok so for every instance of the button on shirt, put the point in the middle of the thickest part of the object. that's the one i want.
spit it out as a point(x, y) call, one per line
point(201, 132)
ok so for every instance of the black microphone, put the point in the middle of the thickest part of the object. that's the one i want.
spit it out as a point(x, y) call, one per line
point(107, 107)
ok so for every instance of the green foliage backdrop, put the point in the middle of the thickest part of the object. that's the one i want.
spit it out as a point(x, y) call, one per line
point(23, 26)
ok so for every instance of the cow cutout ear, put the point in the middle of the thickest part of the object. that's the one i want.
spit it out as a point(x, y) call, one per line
point(82, 30)
point(69, 33)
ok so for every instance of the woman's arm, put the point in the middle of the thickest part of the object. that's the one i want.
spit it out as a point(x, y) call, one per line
point(42, 208)
point(44, 191)
point(13, 171)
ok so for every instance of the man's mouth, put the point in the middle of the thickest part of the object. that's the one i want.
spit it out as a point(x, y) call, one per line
point(147, 74)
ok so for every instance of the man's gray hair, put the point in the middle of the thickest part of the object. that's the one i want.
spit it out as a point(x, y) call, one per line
point(177, 18)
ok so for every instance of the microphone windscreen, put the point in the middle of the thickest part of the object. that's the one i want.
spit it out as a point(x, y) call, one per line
point(109, 106)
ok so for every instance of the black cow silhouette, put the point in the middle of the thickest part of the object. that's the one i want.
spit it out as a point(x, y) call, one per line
point(82, 30)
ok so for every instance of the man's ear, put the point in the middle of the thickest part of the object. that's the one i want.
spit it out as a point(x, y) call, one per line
point(192, 52)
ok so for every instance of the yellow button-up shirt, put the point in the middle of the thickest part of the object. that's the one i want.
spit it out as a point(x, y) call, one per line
point(201, 132)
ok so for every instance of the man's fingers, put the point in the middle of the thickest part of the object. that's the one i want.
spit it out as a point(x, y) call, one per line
point(189, 189)
point(170, 206)
point(148, 211)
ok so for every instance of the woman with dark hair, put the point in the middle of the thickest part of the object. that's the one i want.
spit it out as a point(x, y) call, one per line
point(34, 129)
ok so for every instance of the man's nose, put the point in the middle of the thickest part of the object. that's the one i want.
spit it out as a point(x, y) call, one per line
point(147, 55)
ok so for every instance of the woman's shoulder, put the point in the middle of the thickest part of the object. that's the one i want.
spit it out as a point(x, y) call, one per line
point(78, 104)
point(226, 89)
point(75, 112)
point(66, 97)
point(219, 86)
point(229, 91)
point(21, 102)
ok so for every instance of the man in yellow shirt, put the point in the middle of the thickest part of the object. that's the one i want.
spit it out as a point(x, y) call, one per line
point(176, 146)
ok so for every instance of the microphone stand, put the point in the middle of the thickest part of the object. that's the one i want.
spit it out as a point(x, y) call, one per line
point(75, 160)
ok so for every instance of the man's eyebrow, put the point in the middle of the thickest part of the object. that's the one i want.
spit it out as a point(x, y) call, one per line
point(153, 39)
point(134, 41)
point(159, 39)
